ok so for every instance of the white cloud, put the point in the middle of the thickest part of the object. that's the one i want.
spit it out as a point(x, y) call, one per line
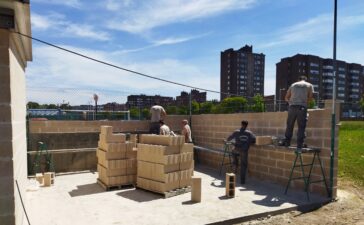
point(54, 70)
point(58, 23)
point(69, 3)
point(313, 29)
point(152, 14)
point(115, 5)
point(161, 42)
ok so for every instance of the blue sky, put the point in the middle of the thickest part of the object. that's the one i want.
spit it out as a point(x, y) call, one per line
point(179, 40)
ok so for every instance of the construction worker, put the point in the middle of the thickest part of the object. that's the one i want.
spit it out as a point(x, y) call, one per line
point(157, 114)
point(243, 138)
point(186, 131)
point(298, 96)
point(164, 129)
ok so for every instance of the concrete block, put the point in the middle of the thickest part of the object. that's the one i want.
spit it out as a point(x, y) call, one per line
point(156, 186)
point(131, 153)
point(131, 166)
point(110, 164)
point(117, 180)
point(263, 140)
point(196, 189)
point(117, 153)
point(106, 130)
point(40, 178)
point(111, 172)
point(230, 182)
point(187, 147)
point(162, 140)
point(158, 172)
point(158, 153)
point(7, 219)
point(49, 179)
point(113, 138)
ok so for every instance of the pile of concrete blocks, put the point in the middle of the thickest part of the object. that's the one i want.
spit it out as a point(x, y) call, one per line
point(117, 164)
point(165, 163)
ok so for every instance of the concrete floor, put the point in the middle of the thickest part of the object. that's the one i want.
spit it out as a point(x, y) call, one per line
point(77, 199)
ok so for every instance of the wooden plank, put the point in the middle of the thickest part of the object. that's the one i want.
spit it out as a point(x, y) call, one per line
point(114, 187)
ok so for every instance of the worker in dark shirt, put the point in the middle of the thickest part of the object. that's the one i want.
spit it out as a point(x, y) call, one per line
point(243, 138)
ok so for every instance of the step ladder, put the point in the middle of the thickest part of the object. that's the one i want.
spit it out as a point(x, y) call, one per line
point(306, 179)
point(228, 153)
point(42, 152)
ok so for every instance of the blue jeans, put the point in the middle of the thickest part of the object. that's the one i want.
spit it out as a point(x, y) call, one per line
point(299, 113)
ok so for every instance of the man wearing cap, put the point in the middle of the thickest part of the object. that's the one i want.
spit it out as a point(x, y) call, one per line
point(298, 96)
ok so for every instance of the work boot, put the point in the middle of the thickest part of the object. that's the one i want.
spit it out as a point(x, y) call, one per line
point(284, 142)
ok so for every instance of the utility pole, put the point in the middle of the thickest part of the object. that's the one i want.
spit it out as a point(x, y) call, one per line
point(96, 98)
point(333, 115)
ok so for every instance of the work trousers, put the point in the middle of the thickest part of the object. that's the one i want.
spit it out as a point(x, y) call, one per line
point(154, 128)
point(299, 113)
point(243, 161)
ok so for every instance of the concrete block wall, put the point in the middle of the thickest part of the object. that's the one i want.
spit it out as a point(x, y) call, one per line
point(63, 126)
point(267, 162)
point(14, 54)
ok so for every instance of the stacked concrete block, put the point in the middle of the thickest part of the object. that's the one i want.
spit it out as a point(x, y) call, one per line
point(264, 140)
point(116, 157)
point(165, 163)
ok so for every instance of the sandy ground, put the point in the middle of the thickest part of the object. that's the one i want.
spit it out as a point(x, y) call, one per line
point(77, 199)
point(347, 209)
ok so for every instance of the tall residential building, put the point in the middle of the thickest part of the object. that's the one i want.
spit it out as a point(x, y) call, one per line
point(145, 101)
point(320, 72)
point(241, 73)
point(184, 98)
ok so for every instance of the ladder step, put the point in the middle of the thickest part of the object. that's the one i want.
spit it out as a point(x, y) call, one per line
point(296, 178)
point(304, 165)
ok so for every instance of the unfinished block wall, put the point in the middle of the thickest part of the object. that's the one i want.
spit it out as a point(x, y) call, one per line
point(268, 162)
point(14, 54)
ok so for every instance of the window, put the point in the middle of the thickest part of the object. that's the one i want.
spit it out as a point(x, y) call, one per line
point(341, 69)
point(314, 71)
point(314, 64)
point(342, 75)
point(329, 67)
point(341, 89)
point(327, 74)
point(327, 81)
point(354, 71)
point(341, 95)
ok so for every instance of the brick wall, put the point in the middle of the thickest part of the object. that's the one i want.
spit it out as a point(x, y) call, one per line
point(267, 162)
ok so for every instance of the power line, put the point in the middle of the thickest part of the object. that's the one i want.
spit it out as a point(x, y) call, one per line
point(122, 68)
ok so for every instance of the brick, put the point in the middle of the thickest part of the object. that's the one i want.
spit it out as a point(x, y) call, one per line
point(40, 178)
point(131, 153)
point(6, 167)
point(269, 162)
point(7, 219)
point(158, 153)
point(276, 155)
point(263, 140)
point(262, 168)
point(196, 189)
point(276, 171)
point(130, 168)
point(6, 186)
point(187, 147)
point(117, 180)
point(284, 164)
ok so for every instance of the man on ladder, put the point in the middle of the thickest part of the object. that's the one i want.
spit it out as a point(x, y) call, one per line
point(243, 138)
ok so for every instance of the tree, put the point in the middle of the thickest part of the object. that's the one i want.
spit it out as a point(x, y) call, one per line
point(195, 107)
point(233, 105)
point(207, 107)
point(362, 103)
point(33, 105)
point(312, 104)
point(134, 113)
point(146, 113)
point(182, 110)
point(172, 110)
point(258, 105)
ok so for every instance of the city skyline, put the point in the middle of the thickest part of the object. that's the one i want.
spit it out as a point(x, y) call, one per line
point(175, 41)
